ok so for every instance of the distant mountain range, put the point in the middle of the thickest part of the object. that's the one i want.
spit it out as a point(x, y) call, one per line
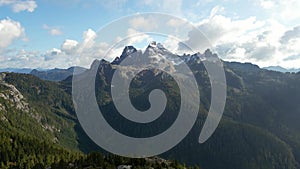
point(15, 70)
point(61, 74)
point(281, 69)
point(47, 74)
point(259, 129)
point(56, 74)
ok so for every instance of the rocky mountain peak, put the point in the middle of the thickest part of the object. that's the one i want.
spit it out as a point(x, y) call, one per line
point(155, 51)
point(2, 76)
point(128, 50)
point(155, 48)
point(208, 54)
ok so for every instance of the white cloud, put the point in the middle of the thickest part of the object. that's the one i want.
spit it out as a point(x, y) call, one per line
point(51, 54)
point(136, 37)
point(68, 54)
point(216, 10)
point(265, 43)
point(53, 30)
point(19, 6)
point(74, 53)
point(24, 6)
point(263, 47)
point(10, 30)
point(248, 39)
point(291, 35)
point(90, 48)
point(89, 37)
point(218, 29)
point(132, 38)
point(143, 24)
point(284, 10)
point(171, 43)
point(69, 46)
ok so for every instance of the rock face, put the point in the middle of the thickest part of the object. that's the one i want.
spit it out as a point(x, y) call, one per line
point(124, 167)
point(12, 95)
point(127, 51)
point(18, 111)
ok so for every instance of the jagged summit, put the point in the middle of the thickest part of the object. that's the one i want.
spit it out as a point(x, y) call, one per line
point(208, 54)
point(128, 50)
point(154, 44)
point(155, 49)
point(96, 63)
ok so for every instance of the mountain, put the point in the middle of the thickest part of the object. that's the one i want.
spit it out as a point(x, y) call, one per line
point(38, 129)
point(252, 133)
point(281, 69)
point(128, 50)
point(14, 70)
point(56, 74)
point(259, 129)
point(47, 74)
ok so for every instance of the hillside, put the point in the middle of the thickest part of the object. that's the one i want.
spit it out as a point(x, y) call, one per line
point(55, 74)
point(39, 130)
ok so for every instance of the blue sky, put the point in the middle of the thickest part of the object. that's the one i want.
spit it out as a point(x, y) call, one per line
point(48, 33)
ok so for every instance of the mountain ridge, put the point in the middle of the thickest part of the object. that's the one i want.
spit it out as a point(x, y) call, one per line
point(281, 69)
point(59, 74)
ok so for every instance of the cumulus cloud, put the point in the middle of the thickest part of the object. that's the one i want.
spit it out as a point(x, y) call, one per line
point(91, 47)
point(132, 37)
point(69, 46)
point(292, 57)
point(136, 37)
point(290, 35)
point(89, 37)
point(289, 45)
point(19, 6)
point(52, 54)
point(218, 29)
point(53, 30)
point(10, 30)
point(264, 47)
point(262, 53)
point(285, 10)
point(144, 24)
point(19, 58)
point(264, 43)
point(71, 52)
point(74, 53)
